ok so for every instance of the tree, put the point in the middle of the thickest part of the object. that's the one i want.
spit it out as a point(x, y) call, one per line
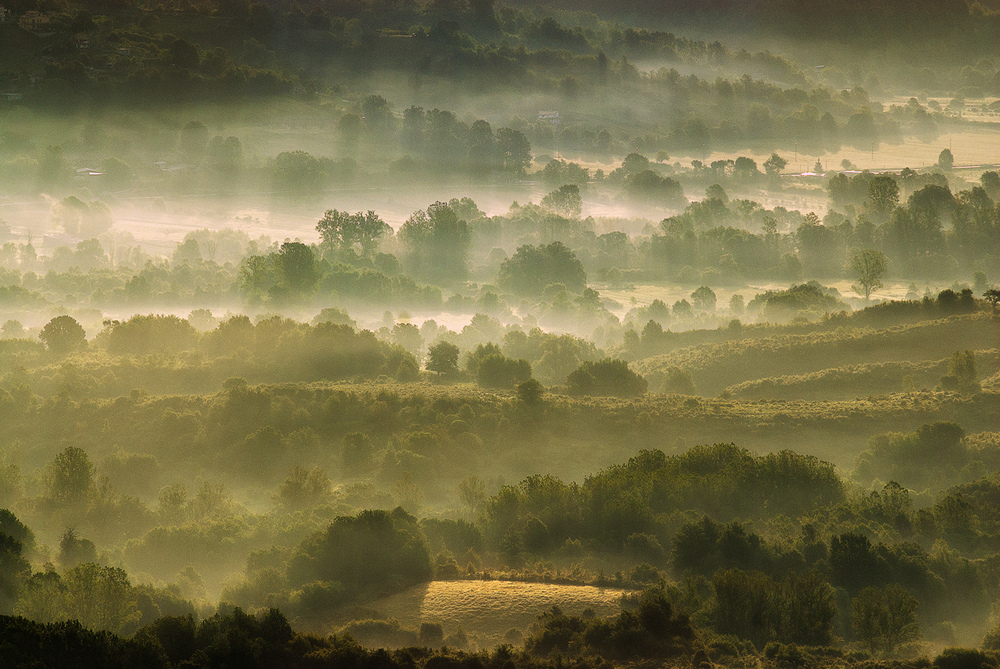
point(810, 607)
point(650, 188)
point(869, 266)
point(14, 570)
point(304, 489)
point(515, 151)
point(498, 371)
point(443, 359)
point(530, 392)
point(532, 268)
point(472, 491)
point(962, 375)
point(69, 478)
point(635, 163)
point(774, 165)
point(993, 297)
point(883, 195)
point(145, 335)
point(716, 192)
point(991, 184)
point(606, 377)
point(343, 231)
point(566, 201)
point(63, 335)
point(745, 168)
point(945, 160)
point(183, 54)
point(704, 299)
point(296, 267)
point(746, 605)
point(369, 550)
point(883, 618)
point(75, 550)
point(101, 598)
point(437, 242)
point(299, 172)
point(194, 139)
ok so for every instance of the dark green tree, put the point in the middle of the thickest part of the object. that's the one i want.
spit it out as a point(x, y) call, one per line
point(884, 618)
point(443, 359)
point(704, 299)
point(14, 570)
point(883, 196)
point(606, 377)
point(566, 201)
point(375, 549)
point(515, 151)
point(869, 266)
point(437, 243)
point(63, 335)
point(342, 231)
point(774, 165)
point(296, 265)
point(498, 371)
point(945, 160)
point(69, 478)
point(532, 268)
point(962, 375)
point(530, 392)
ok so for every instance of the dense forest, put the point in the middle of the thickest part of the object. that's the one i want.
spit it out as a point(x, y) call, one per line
point(487, 335)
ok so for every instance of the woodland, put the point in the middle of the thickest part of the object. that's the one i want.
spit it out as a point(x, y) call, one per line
point(484, 335)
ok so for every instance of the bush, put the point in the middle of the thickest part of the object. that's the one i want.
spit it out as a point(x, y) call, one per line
point(965, 658)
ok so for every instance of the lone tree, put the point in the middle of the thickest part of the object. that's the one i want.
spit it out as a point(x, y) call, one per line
point(774, 165)
point(704, 299)
point(993, 297)
point(63, 335)
point(869, 266)
point(443, 359)
point(946, 160)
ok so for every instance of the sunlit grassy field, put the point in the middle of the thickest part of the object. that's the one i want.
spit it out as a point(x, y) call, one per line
point(487, 610)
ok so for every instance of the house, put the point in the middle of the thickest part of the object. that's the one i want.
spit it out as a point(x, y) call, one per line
point(33, 21)
point(550, 116)
point(81, 41)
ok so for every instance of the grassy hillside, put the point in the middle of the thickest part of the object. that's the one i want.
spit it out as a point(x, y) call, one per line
point(715, 367)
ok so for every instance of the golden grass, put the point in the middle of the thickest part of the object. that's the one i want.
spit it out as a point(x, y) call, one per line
point(486, 610)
